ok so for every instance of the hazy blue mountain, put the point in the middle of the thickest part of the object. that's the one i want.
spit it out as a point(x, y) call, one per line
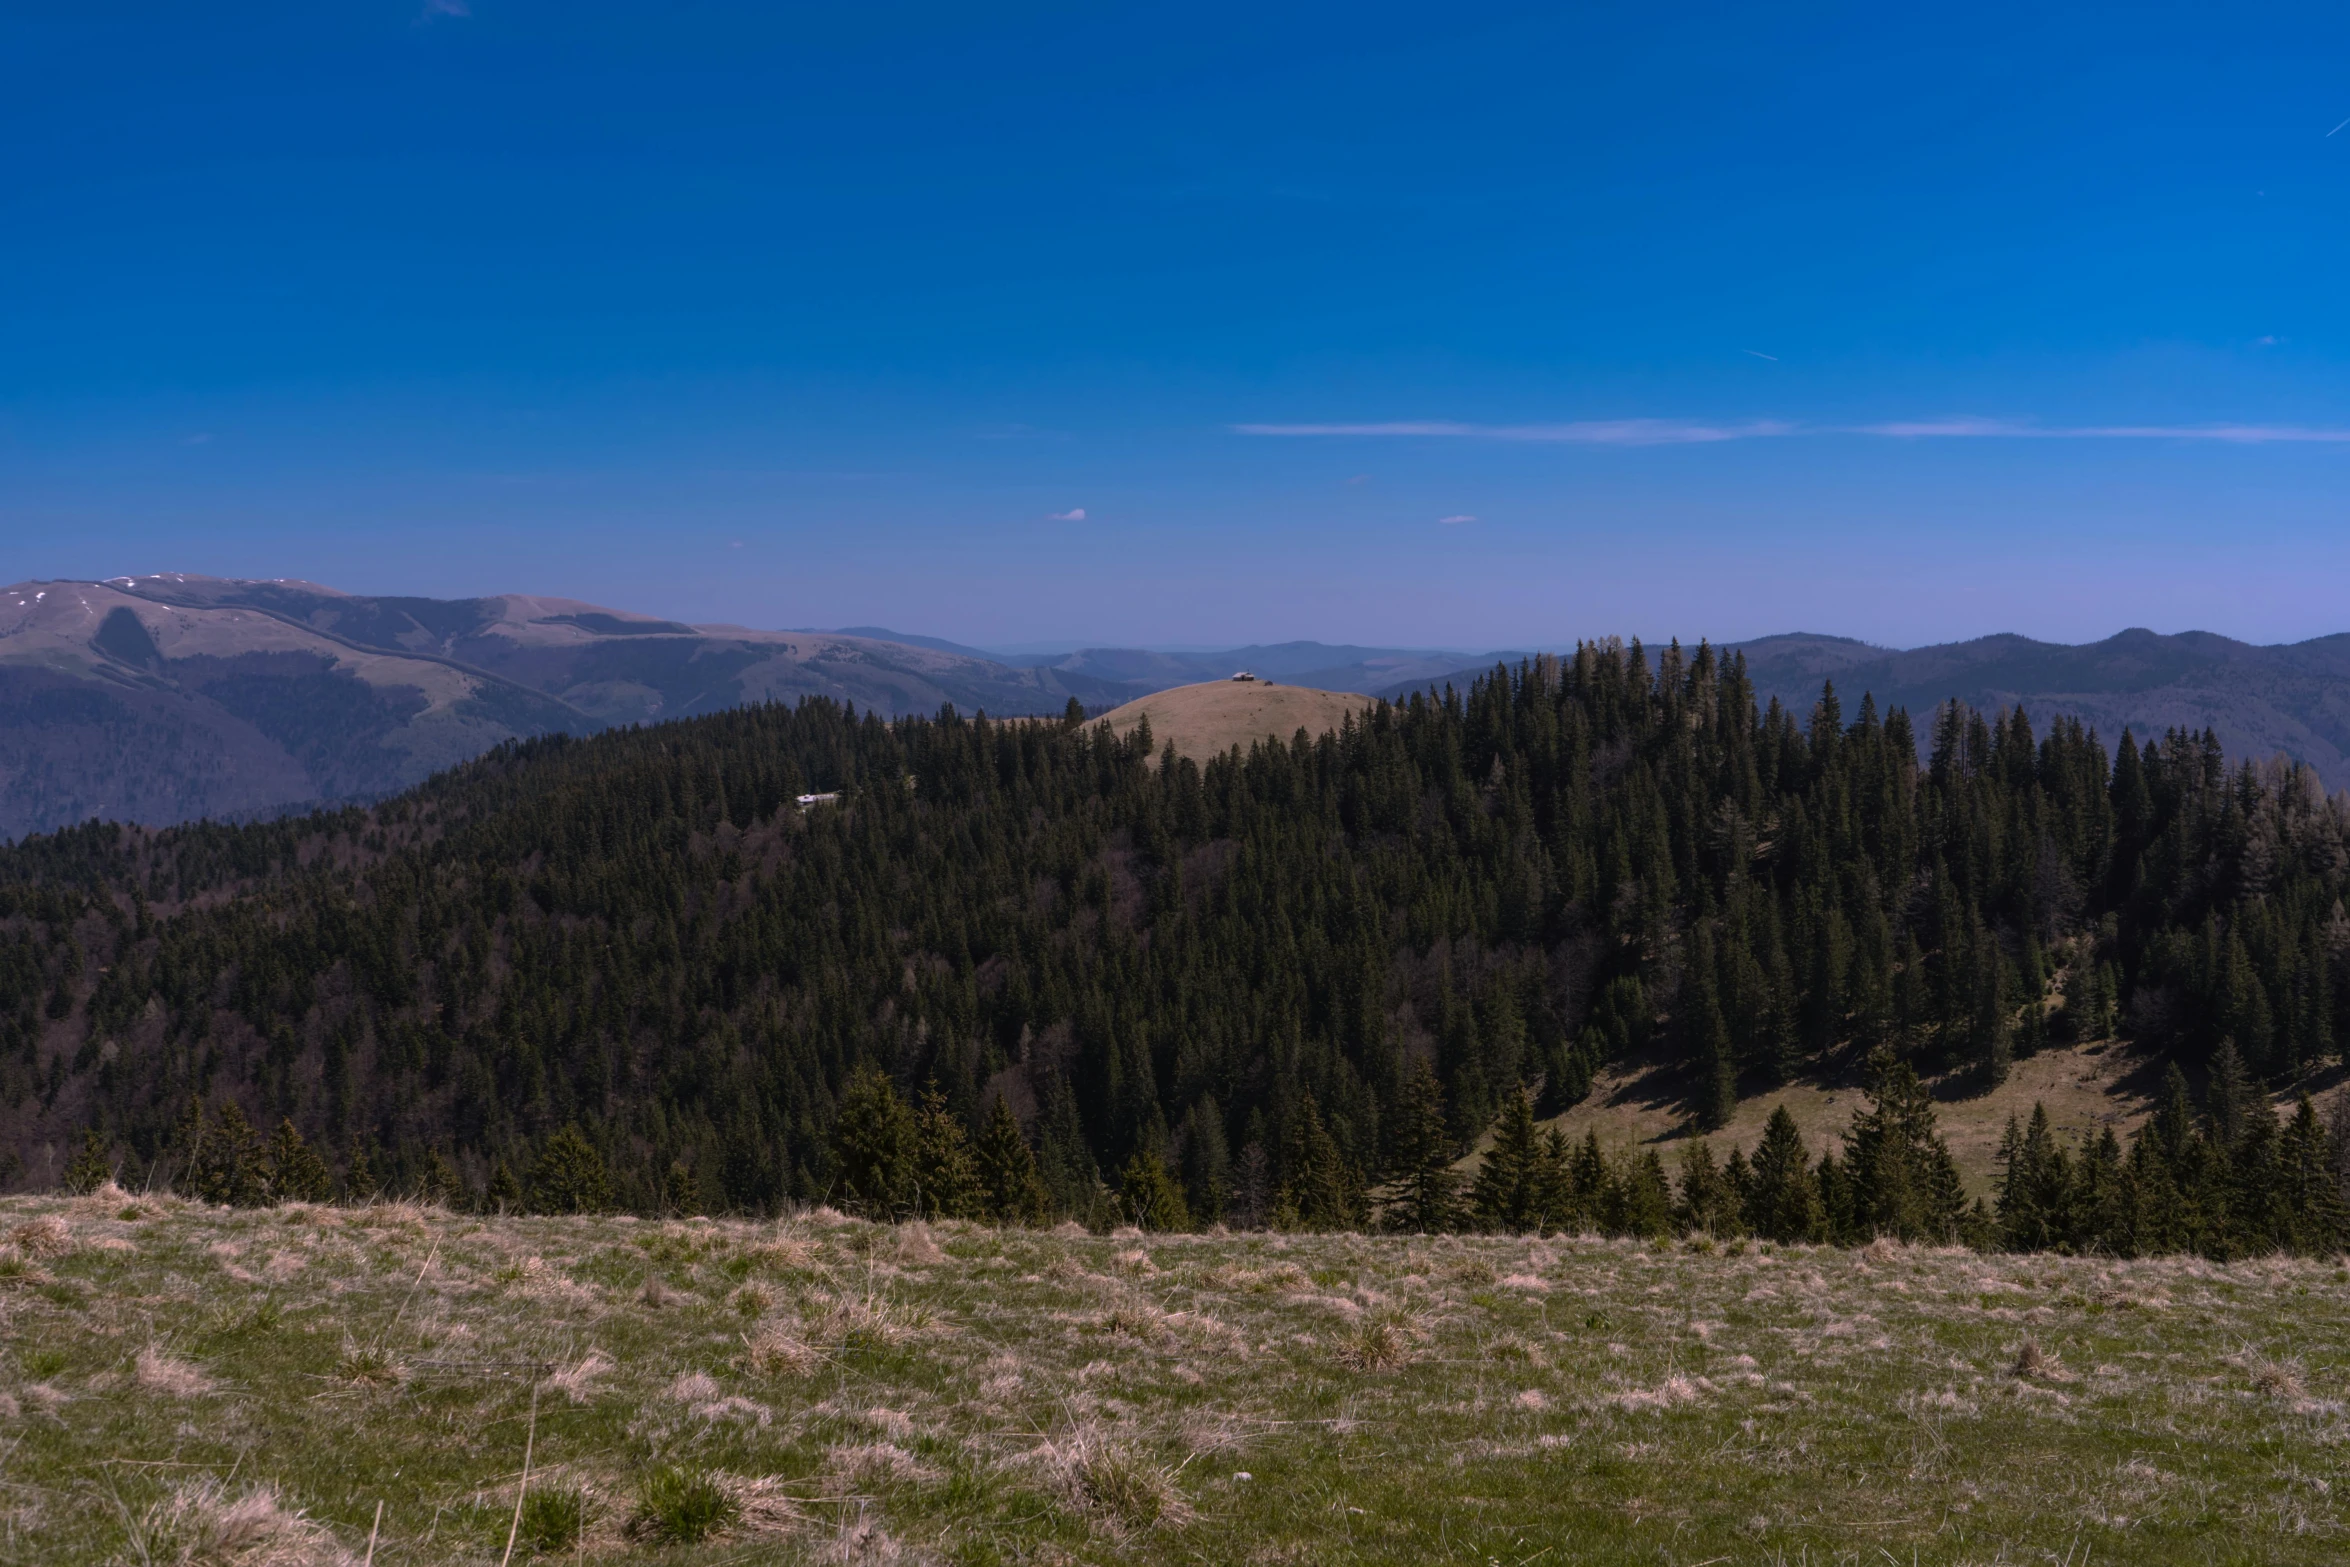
point(163, 698)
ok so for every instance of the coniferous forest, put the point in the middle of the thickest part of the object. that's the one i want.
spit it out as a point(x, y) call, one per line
point(1027, 970)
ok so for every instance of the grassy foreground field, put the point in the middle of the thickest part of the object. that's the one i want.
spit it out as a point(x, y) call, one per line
point(186, 1384)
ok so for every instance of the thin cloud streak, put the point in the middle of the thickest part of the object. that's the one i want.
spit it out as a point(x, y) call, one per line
point(2004, 429)
point(1584, 432)
point(1678, 432)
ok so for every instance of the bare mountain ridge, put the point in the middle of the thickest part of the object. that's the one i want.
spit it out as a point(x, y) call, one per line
point(166, 698)
point(2289, 698)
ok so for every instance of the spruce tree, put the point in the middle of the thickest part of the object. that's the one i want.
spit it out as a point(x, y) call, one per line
point(569, 1176)
point(1423, 1190)
point(1640, 1200)
point(681, 1190)
point(294, 1171)
point(1783, 1200)
point(1508, 1184)
point(1015, 1193)
point(503, 1195)
point(88, 1169)
point(228, 1166)
point(1903, 1180)
point(946, 1176)
point(873, 1141)
point(440, 1186)
point(1708, 1203)
point(2230, 1095)
point(1149, 1197)
point(2318, 1218)
point(2035, 1188)
point(359, 1182)
point(1319, 1188)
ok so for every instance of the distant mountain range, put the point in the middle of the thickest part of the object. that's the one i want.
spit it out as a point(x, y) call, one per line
point(166, 698)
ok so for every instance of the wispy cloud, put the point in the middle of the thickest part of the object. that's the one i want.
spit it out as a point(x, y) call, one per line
point(1073, 514)
point(2330, 134)
point(434, 10)
point(2008, 429)
point(1454, 522)
point(1683, 432)
point(1582, 432)
point(1759, 354)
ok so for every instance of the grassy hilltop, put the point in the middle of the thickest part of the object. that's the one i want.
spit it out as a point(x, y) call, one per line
point(197, 1385)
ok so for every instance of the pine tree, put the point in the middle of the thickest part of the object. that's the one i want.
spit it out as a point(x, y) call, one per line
point(681, 1190)
point(569, 1176)
point(2035, 1188)
point(88, 1169)
point(2316, 1212)
point(1708, 1203)
point(1319, 1188)
point(1903, 1180)
point(1149, 1196)
point(2229, 1097)
point(946, 1177)
point(1015, 1191)
point(873, 1141)
point(1783, 1202)
point(504, 1193)
point(1640, 1201)
point(293, 1170)
point(439, 1186)
point(1556, 1204)
point(228, 1165)
point(359, 1182)
point(1508, 1185)
point(1423, 1191)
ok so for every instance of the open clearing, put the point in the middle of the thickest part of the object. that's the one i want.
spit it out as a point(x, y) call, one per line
point(184, 1384)
point(1209, 719)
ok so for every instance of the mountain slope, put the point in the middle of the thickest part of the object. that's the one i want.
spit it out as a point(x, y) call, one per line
point(1208, 719)
point(2290, 698)
point(164, 698)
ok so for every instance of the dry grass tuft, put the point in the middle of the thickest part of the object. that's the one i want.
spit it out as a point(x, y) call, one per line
point(872, 1465)
point(771, 1350)
point(1111, 1483)
point(752, 1300)
point(2035, 1363)
point(865, 1323)
point(203, 1524)
point(2277, 1380)
point(860, 1543)
point(784, 1254)
point(43, 1237)
point(916, 1245)
point(368, 1366)
point(658, 1295)
point(1378, 1344)
point(158, 1372)
point(577, 1382)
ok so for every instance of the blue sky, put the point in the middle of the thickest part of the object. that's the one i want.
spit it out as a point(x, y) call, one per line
point(1902, 324)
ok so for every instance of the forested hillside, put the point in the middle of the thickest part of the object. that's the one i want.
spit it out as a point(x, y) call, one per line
point(1236, 970)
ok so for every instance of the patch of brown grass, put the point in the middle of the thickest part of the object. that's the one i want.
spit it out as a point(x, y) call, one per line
point(164, 1374)
point(1376, 1344)
point(44, 1236)
point(772, 1350)
point(204, 1524)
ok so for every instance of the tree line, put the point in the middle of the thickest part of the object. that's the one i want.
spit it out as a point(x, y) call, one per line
point(1241, 992)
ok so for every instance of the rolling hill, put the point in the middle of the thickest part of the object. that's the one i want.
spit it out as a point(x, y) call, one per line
point(1204, 720)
